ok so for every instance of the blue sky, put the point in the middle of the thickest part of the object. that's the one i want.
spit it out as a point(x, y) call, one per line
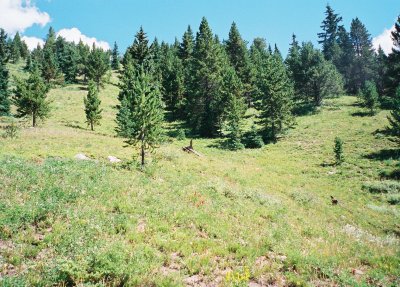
point(118, 20)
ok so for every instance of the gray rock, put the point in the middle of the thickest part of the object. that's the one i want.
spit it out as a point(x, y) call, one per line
point(113, 159)
point(81, 156)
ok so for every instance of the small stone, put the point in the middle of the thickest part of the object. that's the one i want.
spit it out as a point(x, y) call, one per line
point(81, 156)
point(113, 159)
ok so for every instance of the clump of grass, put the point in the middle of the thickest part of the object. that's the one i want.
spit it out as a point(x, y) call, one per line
point(382, 187)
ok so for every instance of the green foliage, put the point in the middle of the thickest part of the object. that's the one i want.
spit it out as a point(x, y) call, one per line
point(18, 49)
point(180, 134)
point(97, 65)
point(4, 51)
point(328, 38)
point(235, 108)
point(392, 79)
point(240, 59)
point(92, 106)
point(382, 187)
point(115, 57)
point(67, 59)
point(4, 93)
point(394, 118)
point(11, 130)
point(370, 96)
point(30, 97)
point(363, 64)
point(316, 78)
point(140, 112)
point(140, 53)
point(338, 150)
point(205, 107)
point(49, 62)
point(252, 139)
point(275, 102)
point(173, 81)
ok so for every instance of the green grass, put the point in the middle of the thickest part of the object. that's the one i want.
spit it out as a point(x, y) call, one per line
point(227, 218)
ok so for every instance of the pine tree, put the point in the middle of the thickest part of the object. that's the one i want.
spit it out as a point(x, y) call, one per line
point(394, 118)
point(83, 56)
point(319, 78)
point(205, 107)
point(186, 47)
point(49, 63)
point(16, 48)
point(92, 105)
point(362, 68)
point(346, 57)
point(4, 93)
point(115, 57)
point(392, 81)
point(370, 96)
point(140, 112)
point(338, 150)
point(235, 108)
point(97, 65)
point(328, 38)
point(258, 56)
point(293, 63)
point(30, 97)
point(4, 51)
point(140, 52)
point(381, 71)
point(275, 101)
point(240, 59)
point(173, 81)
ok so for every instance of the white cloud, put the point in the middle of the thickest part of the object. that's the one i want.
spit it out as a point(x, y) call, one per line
point(74, 35)
point(18, 15)
point(384, 40)
point(32, 42)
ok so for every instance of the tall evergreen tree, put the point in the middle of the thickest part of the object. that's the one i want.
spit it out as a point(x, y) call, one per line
point(4, 51)
point(173, 81)
point(392, 81)
point(293, 63)
point(319, 78)
point(381, 71)
point(115, 57)
point(140, 112)
point(187, 45)
point(235, 108)
point(92, 105)
point(16, 45)
point(83, 56)
point(394, 118)
point(328, 38)
point(240, 59)
point(140, 52)
point(346, 57)
point(363, 64)
point(30, 97)
point(205, 108)
point(4, 93)
point(275, 101)
point(97, 65)
point(49, 63)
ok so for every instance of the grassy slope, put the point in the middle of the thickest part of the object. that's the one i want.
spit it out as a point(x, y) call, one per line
point(185, 219)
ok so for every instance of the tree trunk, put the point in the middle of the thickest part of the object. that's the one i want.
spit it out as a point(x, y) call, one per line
point(142, 154)
point(33, 119)
point(91, 126)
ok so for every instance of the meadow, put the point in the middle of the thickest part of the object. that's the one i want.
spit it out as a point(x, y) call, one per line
point(259, 217)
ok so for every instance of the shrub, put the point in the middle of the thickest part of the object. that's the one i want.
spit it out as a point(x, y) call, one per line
point(382, 187)
point(11, 130)
point(252, 139)
point(180, 134)
point(338, 150)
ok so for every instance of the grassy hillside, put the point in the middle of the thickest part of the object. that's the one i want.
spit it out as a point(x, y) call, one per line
point(248, 218)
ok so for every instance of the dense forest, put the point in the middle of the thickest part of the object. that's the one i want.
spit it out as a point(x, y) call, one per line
point(207, 83)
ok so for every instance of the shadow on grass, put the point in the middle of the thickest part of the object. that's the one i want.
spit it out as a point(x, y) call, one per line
point(384, 154)
point(304, 109)
point(362, 114)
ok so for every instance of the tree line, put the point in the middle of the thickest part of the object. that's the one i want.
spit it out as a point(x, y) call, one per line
point(209, 84)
